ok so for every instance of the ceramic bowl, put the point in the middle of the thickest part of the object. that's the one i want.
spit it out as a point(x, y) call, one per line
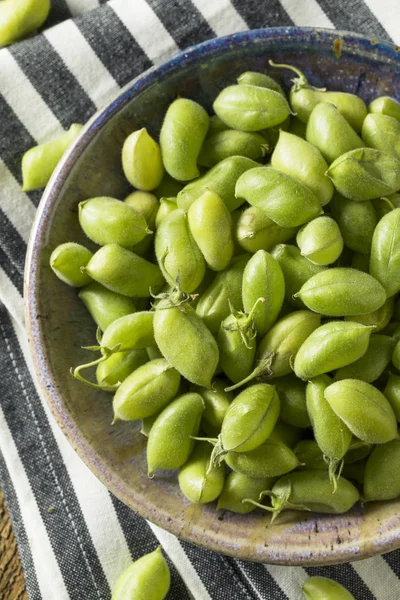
point(58, 324)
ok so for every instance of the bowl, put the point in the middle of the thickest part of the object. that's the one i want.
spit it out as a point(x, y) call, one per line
point(58, 324)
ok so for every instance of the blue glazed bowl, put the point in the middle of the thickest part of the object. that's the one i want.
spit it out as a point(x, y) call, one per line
point(58, 324)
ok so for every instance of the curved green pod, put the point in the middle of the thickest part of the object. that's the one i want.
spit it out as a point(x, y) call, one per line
point(270, 459)
point(303, 161)
point(330, 347)
point(356, 221)
point(365, 174)
point(320, 241)
point(385, 252)
point(231, 142)
point(186, 342)
point(297, 269)
point(279, 346)
point(213, 306)
point(170, 440)
point(39, 162)
point(178, 255)
point(216, 402)
point(383, 133)
point(256, 231)
point(104, 305)
point(331, 434)
point(381, 479)
point(250, 107)
point(130, 332)
point(392, 393)
point(263, 278)
point(385, 105)
point(221, 179)
point(250, 418)
point(124, 272)
point(210, 224)
point(304, 98)
point(285, 200)
point(116, 368)
point(237, 344)
point(292, 393)
point(372, 364)
point(260, 80)
point(323, 588)
point(239, 486)
point(331, 133)
point(146, 391)
point(167, 206)
point(182, 135)
point(199, 480)
point(364, 409)
point(66, 261)
point(148, 577)
point(312, 491)
point(109, 221)
point(341, 292)
point(141, 161)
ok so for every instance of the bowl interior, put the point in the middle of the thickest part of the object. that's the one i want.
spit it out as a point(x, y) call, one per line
point(59, 325)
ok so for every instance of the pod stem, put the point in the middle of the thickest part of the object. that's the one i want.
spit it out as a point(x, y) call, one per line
point(175, 298)
point(300, 81)
point(263, 368)
point(281, 502)
point(244, 323)
point(106, 353)
point(76, 373)
point(335, 467)
point(387, 202)
point(212, 441)
point(217, 455)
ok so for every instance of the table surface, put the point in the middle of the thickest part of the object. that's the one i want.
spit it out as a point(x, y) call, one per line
point(12, 582)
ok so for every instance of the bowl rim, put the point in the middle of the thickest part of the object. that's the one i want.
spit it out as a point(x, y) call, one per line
point(388, 539)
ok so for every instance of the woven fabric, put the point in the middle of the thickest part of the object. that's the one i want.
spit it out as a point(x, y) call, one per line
point(74, 537)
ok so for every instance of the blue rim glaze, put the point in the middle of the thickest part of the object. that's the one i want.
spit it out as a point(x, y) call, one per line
point(357, 45)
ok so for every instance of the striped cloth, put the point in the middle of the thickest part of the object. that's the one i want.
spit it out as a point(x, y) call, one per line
point(74, 537)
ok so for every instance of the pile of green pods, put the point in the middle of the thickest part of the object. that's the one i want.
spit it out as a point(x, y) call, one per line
point(246, 296)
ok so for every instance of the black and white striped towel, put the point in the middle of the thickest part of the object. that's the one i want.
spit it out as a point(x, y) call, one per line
point(74, 537)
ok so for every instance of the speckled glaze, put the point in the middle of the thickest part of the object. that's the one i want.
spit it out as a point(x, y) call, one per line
point(58, 324)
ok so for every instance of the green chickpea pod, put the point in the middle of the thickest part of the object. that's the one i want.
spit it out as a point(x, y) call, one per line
point(304, 97)
point(19, 18)
point(320, 241)
point(310, 491)
point(385, 105)
point(39, 162)
point(141, 161)
point(323, 588)
point(303, 160)
point(250, 107)
point(181, 137)
point(148, 577)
